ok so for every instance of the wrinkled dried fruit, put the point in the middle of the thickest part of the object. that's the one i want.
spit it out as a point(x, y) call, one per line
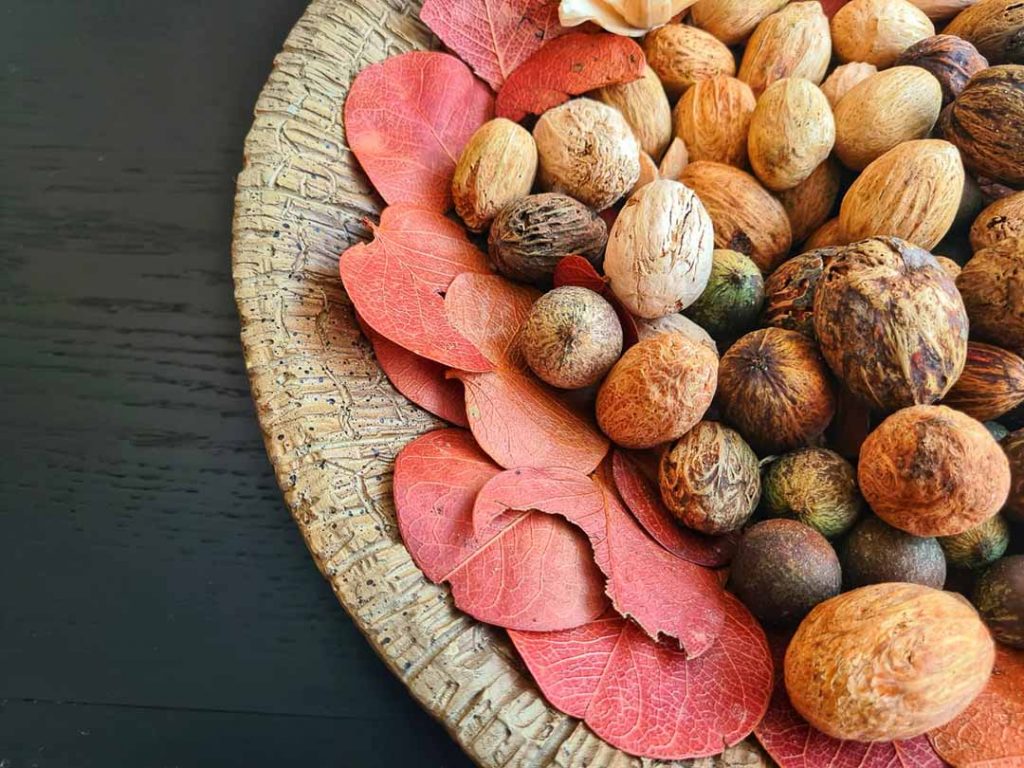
point(877, 31)
point(844, 79)
point(991, 384)
point(683, 55)
point(999, 596)
point(792, 42)
point(645, 106)
point(732, 21)
point(809, 204)
point(789, 291)
point(815, 486)
point(950, 59)
point(978, 546)
point(992, 286)
point(713, 119)
point(996, 27)
point(1002, 220)
point(732, 299)
point(876, 553)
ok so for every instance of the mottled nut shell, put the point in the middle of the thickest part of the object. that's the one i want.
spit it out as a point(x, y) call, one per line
point(887, 109)
point(645, 106)
point(890, 323)
point(682, 55)
point(999, 597)
point(659, 252)
point(789, 291)
point(815, 486)
point(875, 553)
point(745, 216)
point(991, 384)
point(675, 324)
point(995, 27)
point(587, 150)
point(732, 299)
point(732, 21)
point(950, 59)
point(938, 10)
point(913, 191)
point(791, 133)
point(775, 390)
point(530, 236)
point(844, 78)
point(978, 546)
point(809, 204)
point(710, 480)
point(992, 286)
point(792, 42)
point(878, 31)
point(713, 119)
point(657, 391)
point(933, 471)
point(1002, 220)
point(887, 661)
point(828, 235)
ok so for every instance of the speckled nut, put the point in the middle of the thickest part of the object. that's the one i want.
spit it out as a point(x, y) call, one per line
point(1002, 220)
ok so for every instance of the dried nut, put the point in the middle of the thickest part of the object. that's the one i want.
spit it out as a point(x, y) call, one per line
point(912, 191)
point(938, 10)
point(992, 285)
point(999, 596)
point(949, 266)
point(713, 118)
point(887, 661)
point(995, 27)
point(657, 391)
point(588, 151)
point(844, 78)
point(682, 55)
point(951, 59)
point(979, 546)
point(809, 204)
point(621, 17)
point(932, 471)
point(876, 553)
point(986, 123)
point(890, 323)
point(894, 106)
point(675, 324)
point(1013, 446)
point(530, 236)
point(732, 300)
point(648, 172)
point(676, 158)
point(497, 166)
point(827, 235)
point(1002, 220)
point(992, 382)
point(789, 291)
point(746, 217)
point(791, 133)
point(645, 106)
point(877, 31)
point(814, 486)
point(659, 251)
point(732, 21)
point(792, 42)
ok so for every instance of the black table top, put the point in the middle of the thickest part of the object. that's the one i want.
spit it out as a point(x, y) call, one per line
point(157, 605)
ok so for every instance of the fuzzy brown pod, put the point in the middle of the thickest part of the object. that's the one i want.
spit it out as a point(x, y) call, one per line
point(809, 204)
point(938, 10)
point(657, 391)
point(992, 382)
point(683, 55)
point(792, 42)
point(878, 31)
point(951, 59)
point(774, 388)
point(1013, 446)
point(789, 291)
point(887, 661)
point(732, 21)
point(531, 235)
point(844, 78)
point(992, 286)
point(890, 323)
point(995, 27)
point(746, 217)
point(932, 471)
point(713, 119)
point(792, 132)
point(1002, 220)
point(896, 105)
point(645, 106)
point(828, 235)
point(913, 191)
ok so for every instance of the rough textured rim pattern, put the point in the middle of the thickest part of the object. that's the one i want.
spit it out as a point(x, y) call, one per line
point(332, 423)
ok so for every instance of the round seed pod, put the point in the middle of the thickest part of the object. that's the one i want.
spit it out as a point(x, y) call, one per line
point(531, 235)
point(991, 384)
point(929, 647)
point(978, 546)
point(875, 553)
point(775, 390)
point(878, 31)
point(951, 267)
point(992, 286)
point(792, 42)
point(645, 106)
point(844, 78)
point(1002, 220)
point(709, 479)
point(815, 486)
point(732, 21)
point(950, 59)
point(782, 569)
point(1013, 447)
point(657, 391)
point(995, 27)
point(713, 119)
point(676, 323)
point(586, 149)
point(932, 471)
point(789, 291)
point(682, 55)
point(828, 235)
point(809, 204)
point(730, 303)
point(890, 323)
point(999, 597)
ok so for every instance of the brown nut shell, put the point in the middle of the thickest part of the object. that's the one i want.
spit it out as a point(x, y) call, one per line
point(992, 286)
point(844, 78)
point(1002, 220)
point(828, 235)
point(645, 106)
point(1013, 447)
point(792, 42)
point(938, 10)
point(789, 291)
point(992, 382)
point(809, 204)
point(683, 55)
point(952, 60)
point(732, 21)
point(878, 31)
point(713, 119)
point(995, 27)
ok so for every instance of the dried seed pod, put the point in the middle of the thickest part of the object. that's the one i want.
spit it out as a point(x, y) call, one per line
point(978, 546)
point(999, 597)
point(878, 31)
point(828, 235)
point(775, 390)
point(891, 323)
point(621, 17)
point(952, 60)
point(971, 203)
point(791, 133)
point(938, 10)
point(587, 150)
point(913, 191)
point(710, 480)
point(992, 286)
point(887, 109)
point(887, 661)
point(648, 172)
point(991, 384)
point(683, 55)
point(810, 202)
point(792, 42)
point(746, 217)
point(1013, 446)
point(675, 324)
point(657, 391)
point(732, 21)
point(732, 299)
point(713, 118)
point(659, 251)
point(932, 471)
point(1002, 220)
point(645, 106)
point(675, 160)
point(995, 27)
point(815, 486)
point(876, 553)
point(789, 291)
point(844, 78)
point(951, 267)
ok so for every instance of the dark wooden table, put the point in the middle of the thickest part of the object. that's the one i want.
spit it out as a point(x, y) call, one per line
point(157, 606)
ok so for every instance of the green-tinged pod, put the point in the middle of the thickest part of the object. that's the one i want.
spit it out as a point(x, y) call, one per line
point(816, 486)
point(978, 546)
point(732, 300)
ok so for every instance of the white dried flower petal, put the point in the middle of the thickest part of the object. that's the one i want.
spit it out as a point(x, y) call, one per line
point(622, 17)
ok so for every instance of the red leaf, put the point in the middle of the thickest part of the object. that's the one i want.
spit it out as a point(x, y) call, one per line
point(397, 282)
point(644, 502)
point(577, 271)
point(493, 36)
point(568, 66)
point(663, 594)
point(517, 420)
point(648, 698)
point(526, 570)
point(407, 119)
